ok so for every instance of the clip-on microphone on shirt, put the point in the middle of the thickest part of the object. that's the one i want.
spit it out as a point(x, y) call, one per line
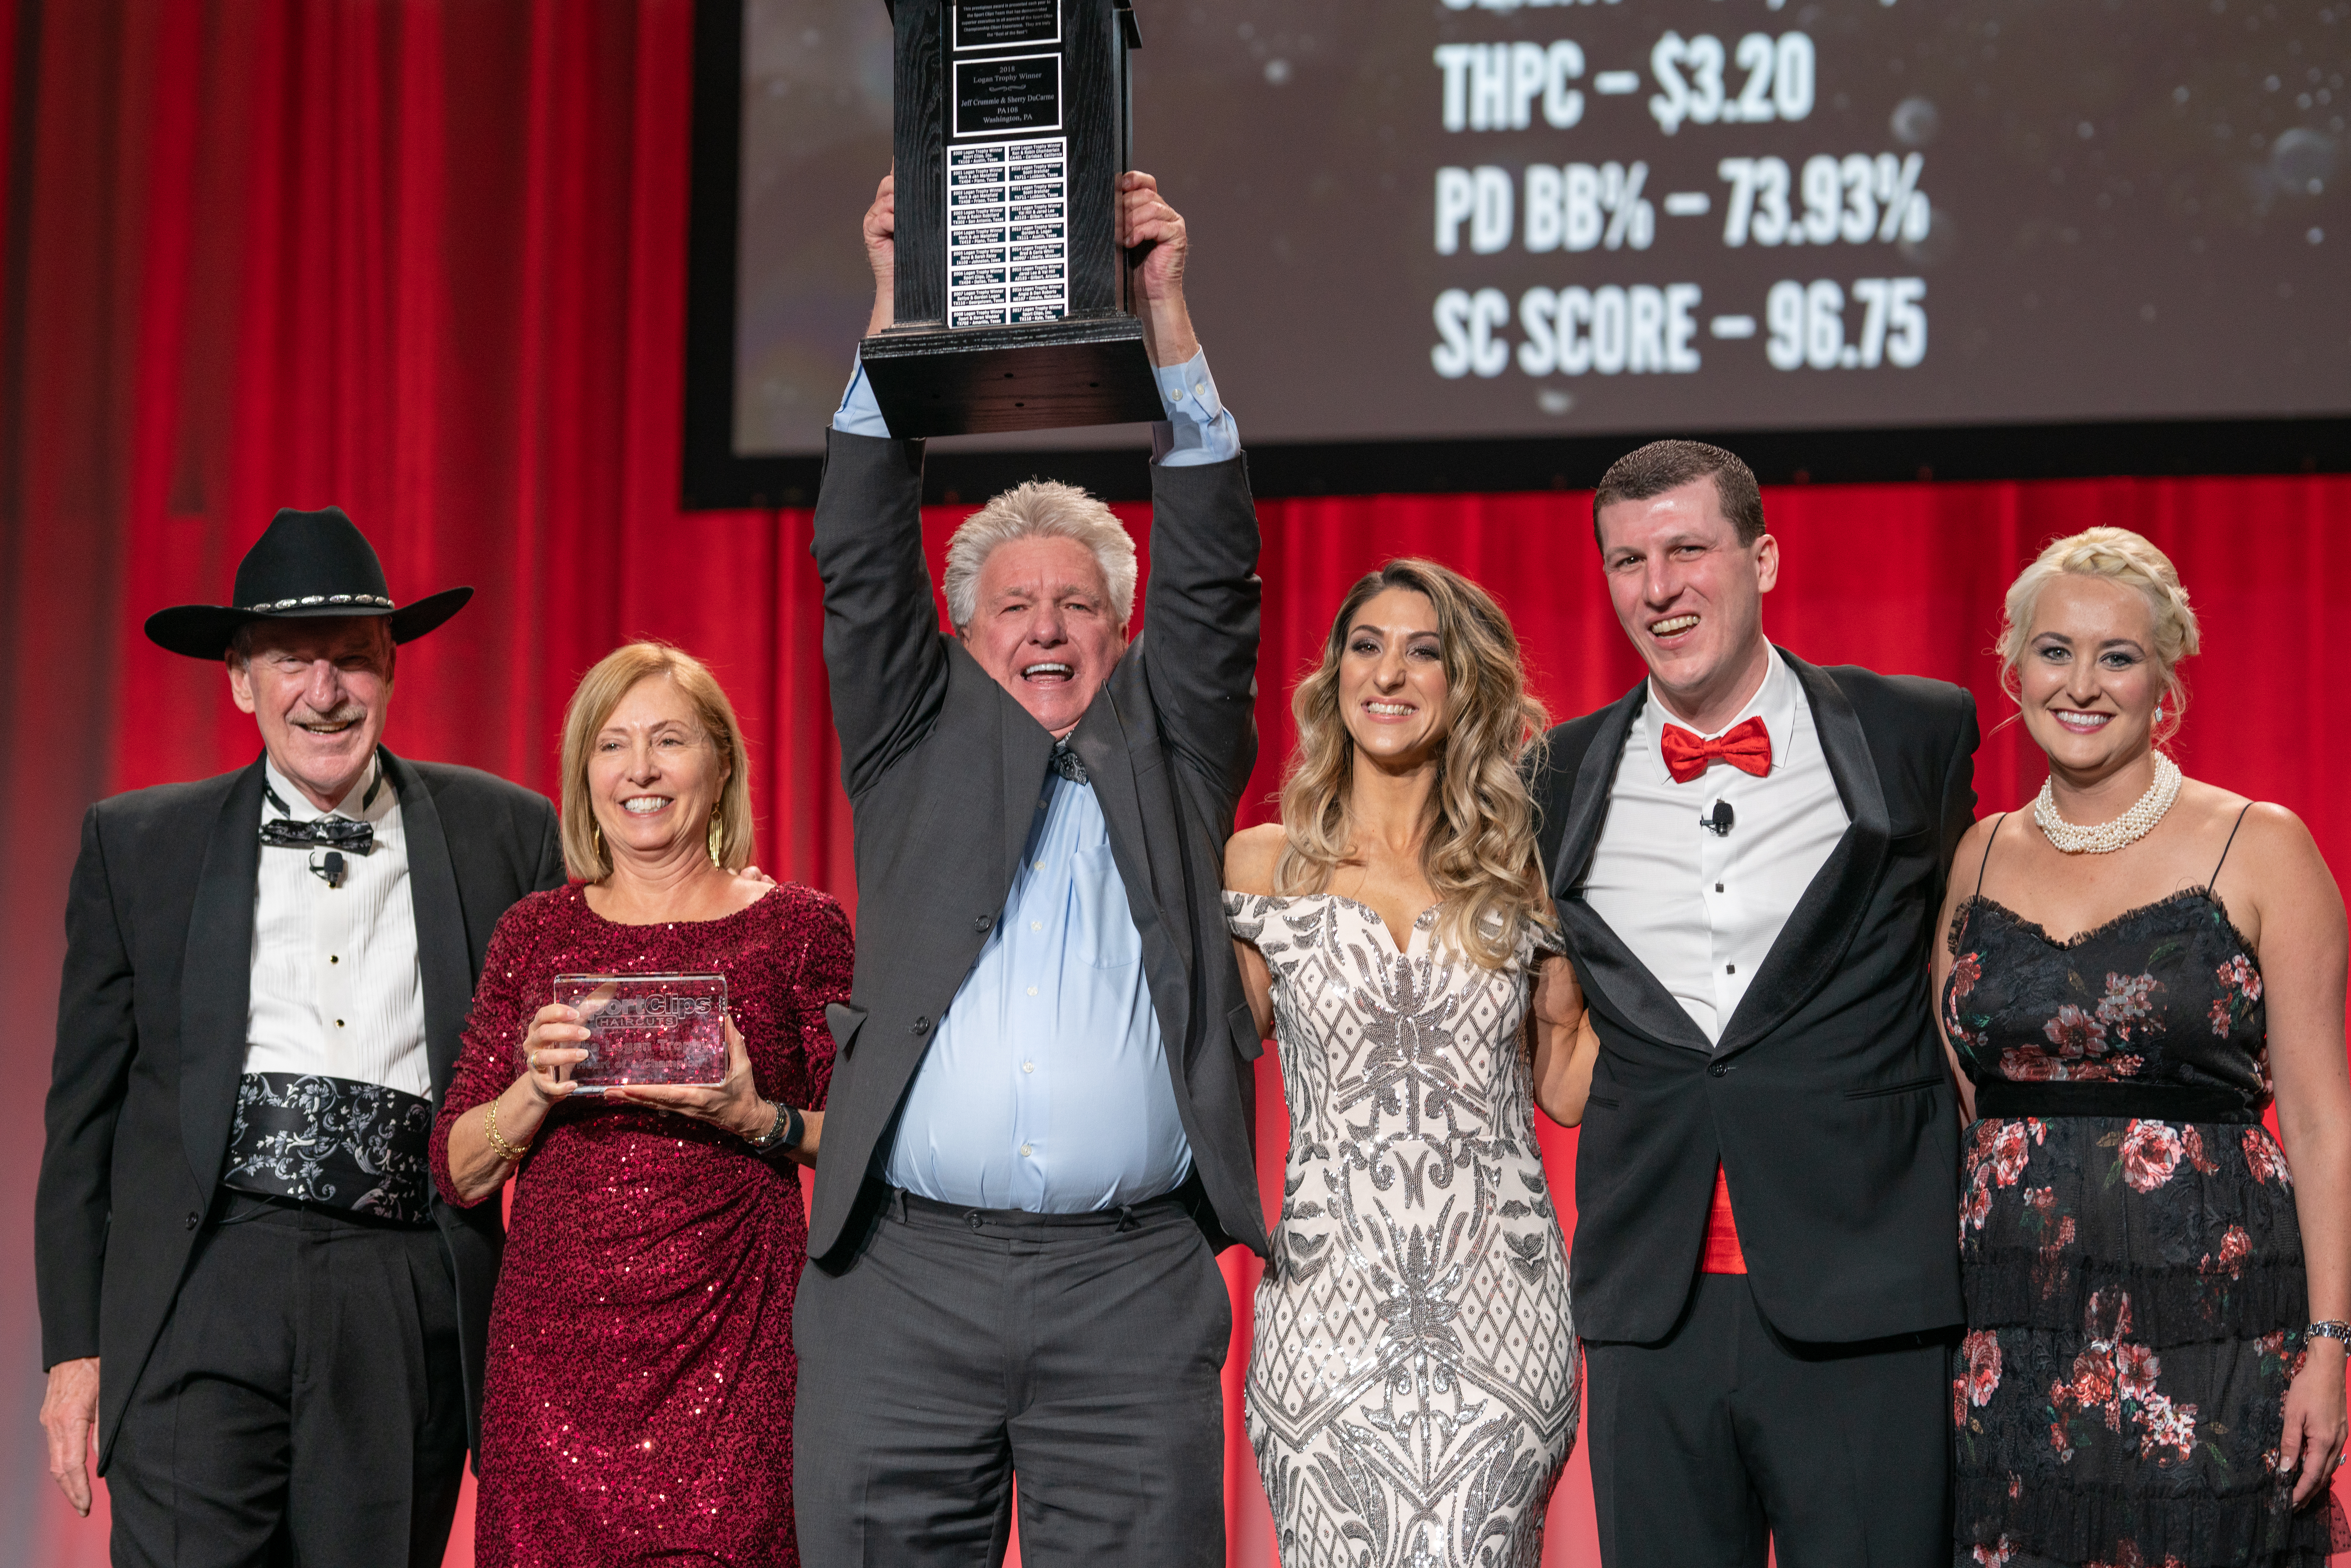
point(1721, 819)
point(330, 868)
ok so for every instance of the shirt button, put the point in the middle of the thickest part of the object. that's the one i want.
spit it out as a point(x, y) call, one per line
point(1718, 887)
point(1024, 1151)
point(1039, 866)
point(1036, 926)
point(1731, 968)
point(1028, 1067)
point(332, 959)
point(1179, 394)
point(1032, 990)
point(339, 1023)
point(1200, 389)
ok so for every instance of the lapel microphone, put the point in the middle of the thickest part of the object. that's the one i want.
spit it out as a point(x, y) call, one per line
point(1721, 819)
point(330, 868)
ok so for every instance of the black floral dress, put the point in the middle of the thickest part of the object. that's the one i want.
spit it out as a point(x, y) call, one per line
point(2129, 1248)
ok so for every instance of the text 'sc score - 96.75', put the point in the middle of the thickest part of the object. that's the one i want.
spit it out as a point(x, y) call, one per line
point(1830, 317)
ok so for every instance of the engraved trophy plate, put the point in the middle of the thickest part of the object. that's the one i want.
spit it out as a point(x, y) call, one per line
point(648, 1029)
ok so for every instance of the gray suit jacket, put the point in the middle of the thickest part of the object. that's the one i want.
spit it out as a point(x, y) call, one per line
point(942, 767)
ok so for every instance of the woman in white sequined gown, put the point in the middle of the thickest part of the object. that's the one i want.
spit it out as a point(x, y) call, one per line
point(1412, 1387)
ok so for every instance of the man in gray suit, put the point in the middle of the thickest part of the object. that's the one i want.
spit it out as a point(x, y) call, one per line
point(1037, 1134)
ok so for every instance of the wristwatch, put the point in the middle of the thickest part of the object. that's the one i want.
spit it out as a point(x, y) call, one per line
point(2331, 1328)
point(784, 1134)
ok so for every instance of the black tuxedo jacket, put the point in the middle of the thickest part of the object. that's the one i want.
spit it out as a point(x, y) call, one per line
point(152, 1039)
point(1826, 1100)
point(942, 768)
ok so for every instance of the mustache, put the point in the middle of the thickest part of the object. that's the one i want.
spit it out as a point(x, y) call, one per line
point(342, 713)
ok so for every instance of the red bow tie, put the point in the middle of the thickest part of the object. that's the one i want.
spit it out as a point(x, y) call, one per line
point(1746, 746)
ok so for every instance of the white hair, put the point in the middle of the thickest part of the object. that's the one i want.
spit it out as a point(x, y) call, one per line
point(1040, 508)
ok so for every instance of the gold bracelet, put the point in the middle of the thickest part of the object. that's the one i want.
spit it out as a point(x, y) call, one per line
point(499, 1146)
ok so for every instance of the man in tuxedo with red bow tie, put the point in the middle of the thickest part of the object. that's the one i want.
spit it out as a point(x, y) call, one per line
point(1748, 853)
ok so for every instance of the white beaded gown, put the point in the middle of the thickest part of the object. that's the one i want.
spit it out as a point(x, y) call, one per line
point(1412, 1387)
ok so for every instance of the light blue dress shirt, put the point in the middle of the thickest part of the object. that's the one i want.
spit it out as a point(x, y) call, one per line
point(1198, 427)
point(1046, 1086)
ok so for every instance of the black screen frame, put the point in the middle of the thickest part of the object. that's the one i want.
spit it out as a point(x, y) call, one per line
point(715, 477)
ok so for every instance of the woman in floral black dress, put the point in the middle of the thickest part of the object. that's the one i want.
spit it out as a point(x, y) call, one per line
point(2148, 1380)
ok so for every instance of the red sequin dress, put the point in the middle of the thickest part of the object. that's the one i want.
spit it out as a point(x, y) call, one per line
point(638, 1405)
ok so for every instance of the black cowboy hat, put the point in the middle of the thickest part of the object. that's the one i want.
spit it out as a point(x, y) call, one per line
point(305, 565)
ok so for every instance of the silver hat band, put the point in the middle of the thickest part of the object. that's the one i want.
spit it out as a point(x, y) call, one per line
point(309, 598)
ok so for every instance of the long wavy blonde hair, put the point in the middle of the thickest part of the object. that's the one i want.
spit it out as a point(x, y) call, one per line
point(1478, 840)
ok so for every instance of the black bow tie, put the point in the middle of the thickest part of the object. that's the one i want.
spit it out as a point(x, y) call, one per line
point(331, 832)
point(334, 832)
point(1066, 763)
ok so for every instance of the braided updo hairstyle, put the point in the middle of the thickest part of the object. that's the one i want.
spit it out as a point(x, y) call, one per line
point(2120, 556)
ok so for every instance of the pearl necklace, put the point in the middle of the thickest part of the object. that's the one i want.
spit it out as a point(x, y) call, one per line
point(2105, 838)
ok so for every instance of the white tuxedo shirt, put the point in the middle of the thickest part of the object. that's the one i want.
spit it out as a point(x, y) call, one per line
point(1701, 910)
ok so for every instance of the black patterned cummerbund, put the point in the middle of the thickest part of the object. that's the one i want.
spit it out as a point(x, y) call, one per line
point(334, 1140)
point(2000, 1099)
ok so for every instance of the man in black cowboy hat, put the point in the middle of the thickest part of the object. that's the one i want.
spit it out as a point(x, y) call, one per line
point(249, 1294)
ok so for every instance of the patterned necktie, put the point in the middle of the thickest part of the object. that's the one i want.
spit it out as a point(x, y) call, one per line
point(1066, 763)
point(1746, 746)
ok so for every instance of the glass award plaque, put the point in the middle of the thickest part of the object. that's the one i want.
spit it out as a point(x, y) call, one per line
point(648, 1029)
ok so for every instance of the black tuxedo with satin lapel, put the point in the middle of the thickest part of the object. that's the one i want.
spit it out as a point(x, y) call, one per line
point(152, 1039)
point(1826, 1100)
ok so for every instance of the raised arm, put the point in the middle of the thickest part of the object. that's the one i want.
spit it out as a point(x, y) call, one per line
point(884, 658)
point(1201, 603)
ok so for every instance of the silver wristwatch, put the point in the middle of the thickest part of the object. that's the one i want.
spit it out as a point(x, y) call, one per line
point(2331, 1328)
point(783, 1134)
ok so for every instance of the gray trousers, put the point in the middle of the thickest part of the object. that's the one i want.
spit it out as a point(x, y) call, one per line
point(1083, 1354)
point(304, 1407)
point(1727, 1440)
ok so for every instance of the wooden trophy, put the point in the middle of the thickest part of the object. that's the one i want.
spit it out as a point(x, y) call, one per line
point(1011, 129)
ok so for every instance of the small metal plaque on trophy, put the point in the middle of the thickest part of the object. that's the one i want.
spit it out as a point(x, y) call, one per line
point(1011, 303)
point(648, 1029)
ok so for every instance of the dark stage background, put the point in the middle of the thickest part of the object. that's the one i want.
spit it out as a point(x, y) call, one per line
point(427, 261)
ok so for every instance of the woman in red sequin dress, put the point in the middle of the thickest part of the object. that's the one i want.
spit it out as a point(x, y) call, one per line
point(637, 1406)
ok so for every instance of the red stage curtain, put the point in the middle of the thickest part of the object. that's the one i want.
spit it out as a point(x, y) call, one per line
point(425, 260)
